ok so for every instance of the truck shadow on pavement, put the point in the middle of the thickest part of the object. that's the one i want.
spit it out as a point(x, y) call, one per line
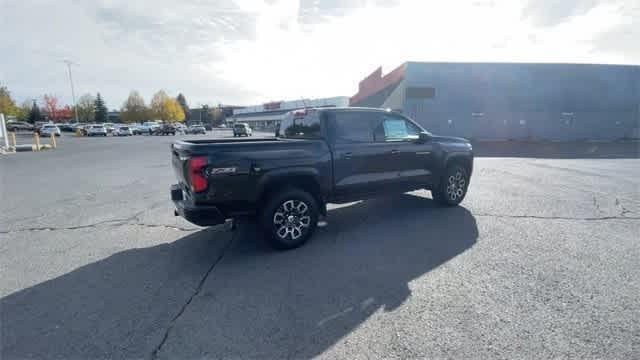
point(255, 303)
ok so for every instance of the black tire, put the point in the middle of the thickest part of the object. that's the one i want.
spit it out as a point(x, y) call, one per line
point(452, 187)
point(293, 211)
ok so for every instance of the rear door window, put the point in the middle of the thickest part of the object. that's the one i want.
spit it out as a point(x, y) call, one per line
point(352, 126)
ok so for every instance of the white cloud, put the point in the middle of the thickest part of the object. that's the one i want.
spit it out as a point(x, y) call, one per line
point(247, 51)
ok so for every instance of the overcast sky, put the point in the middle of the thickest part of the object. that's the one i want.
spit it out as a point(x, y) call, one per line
point(249, 51)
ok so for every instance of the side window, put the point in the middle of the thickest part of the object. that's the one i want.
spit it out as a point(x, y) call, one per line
point(352, 127)
point(395, 128)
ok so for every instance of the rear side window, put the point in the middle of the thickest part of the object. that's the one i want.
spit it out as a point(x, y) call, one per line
point(301, 125)
point(353, 126)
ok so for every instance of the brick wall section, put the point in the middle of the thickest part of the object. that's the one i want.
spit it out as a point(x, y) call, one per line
point(375, 82)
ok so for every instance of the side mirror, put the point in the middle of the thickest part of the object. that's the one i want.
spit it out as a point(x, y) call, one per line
point(424, 137)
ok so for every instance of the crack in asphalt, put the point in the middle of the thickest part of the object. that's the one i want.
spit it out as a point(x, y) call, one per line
point(106, 223)
point(133, 220)
point(596, 204)
point(602, 218)
point(183, 308)
point(112, 222)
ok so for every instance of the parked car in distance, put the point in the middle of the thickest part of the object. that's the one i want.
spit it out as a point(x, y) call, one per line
point(81, 127)
point(148, 127)
point(180, 128)
point(319, 156)
point(242, 129)
point(196, 129)
point(110, 127)
point(135, 129)
point(123, 131)
point(49, 129)
point(66, 127)
point(39, 124)
point(19, 126)
point(164, 129)
point(96, 130)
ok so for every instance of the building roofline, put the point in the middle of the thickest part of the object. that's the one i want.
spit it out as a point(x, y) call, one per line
point(513, 63)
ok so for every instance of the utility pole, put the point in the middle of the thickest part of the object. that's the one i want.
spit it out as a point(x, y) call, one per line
point(73, 93)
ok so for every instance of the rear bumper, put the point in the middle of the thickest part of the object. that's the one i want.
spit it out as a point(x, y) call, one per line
point(195, 214)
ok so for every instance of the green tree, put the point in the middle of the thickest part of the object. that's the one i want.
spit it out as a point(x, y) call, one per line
point(34, 113)
point(101, 110)
point(134, 109)
point(86, 107)
point(7, 105)
point(24, 110)
point(183, 104)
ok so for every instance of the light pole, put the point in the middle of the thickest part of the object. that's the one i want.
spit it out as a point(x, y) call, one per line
point(73, 93)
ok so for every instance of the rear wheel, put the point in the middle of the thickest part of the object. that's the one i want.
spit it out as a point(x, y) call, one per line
point(290, 218)
point(453, 186)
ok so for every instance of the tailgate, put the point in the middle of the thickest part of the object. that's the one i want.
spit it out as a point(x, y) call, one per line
point(179, 160)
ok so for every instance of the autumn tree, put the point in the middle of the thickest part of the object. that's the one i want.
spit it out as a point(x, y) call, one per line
point(51, 107)
point(157, 104)
point(183, 104)
point(165, 108)
point(134, 109)
point(102, 114)
point(86, 108)
point(173, 110)
point(66, 113)
point(7, 105)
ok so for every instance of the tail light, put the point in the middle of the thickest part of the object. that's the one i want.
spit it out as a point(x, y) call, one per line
point(196, 173)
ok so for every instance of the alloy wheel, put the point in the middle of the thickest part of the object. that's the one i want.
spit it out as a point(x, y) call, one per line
point(456, 185)
point(291, 220)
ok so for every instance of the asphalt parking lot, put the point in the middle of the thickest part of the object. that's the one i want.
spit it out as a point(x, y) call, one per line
point(540, 261)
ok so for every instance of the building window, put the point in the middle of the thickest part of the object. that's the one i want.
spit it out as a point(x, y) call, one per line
point(420, 92)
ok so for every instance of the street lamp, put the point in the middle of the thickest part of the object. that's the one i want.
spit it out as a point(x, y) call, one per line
point(73, 93)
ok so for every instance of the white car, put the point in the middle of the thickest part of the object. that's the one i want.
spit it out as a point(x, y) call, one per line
point(96, 130)
point(123, 131)
point(148, 127)
point(109, 127)
point(48, 129)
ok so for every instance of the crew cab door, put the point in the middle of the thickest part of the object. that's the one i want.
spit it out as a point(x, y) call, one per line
point(357, 170)
point(406, 155)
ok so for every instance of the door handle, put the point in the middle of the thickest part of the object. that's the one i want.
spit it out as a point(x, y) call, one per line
point(347, 155)
point(395, 151)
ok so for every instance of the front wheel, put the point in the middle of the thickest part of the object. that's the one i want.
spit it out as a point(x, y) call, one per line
point(290, 218)
point(452, 187)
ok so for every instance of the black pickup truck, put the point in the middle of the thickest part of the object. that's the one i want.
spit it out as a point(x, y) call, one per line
point(318, 156)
